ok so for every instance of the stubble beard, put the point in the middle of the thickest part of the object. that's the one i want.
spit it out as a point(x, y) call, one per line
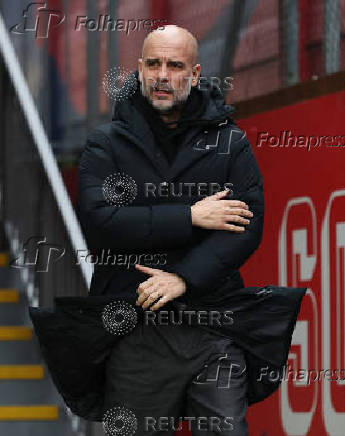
point(174, 105)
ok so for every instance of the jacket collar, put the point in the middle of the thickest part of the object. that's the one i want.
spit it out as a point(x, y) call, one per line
point(129, 122)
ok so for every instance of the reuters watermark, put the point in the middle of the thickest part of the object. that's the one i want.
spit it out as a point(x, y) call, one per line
point(119, 83)
point(179, 189)
point(119, 317)
point(213, 424)
point(119, 421)
point(119, 189)
point(188, 317)
point(122, 421)
point(205, 83)
point(287, 139)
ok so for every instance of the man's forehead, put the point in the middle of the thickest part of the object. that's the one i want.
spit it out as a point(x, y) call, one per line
point(163, 50)
point(166, 58)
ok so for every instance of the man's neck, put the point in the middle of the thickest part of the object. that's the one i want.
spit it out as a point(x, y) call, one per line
point(171, 118)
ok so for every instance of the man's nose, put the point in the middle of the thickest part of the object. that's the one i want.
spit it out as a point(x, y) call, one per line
point(163, 73)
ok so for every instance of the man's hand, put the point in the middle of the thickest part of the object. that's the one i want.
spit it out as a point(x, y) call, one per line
point(162, 286)
point(214, 213)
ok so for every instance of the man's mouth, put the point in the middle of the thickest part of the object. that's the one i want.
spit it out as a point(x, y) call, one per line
point(161, 92)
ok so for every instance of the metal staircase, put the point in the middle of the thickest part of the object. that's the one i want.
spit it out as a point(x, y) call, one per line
point(36, 218)
point(29, 402)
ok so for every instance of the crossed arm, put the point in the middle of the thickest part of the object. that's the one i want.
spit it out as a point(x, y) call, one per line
point(228, 243)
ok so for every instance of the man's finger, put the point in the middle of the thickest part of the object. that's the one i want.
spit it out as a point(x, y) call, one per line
point(237, 211)
point(218, 195)
point(147, 270)
point(142, 288)
point(144, 295)
point(144, 285)
point(151, 299)
point(238, 203)
point(163, 300)
point(233, 228)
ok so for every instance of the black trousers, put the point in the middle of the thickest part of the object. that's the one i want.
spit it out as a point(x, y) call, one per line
point(160, 375)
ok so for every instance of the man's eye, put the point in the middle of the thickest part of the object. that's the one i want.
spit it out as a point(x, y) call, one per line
point(151, 63)
point(177, 65)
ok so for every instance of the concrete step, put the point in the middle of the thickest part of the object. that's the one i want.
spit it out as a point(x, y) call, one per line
point(20, 352)
point(13, 308)
point(60, 427)
point(15, 333)
point(4, 260)
point(29, 402)
point(8, 295)
point(25, 372)
point(10, 277)
point(29, 413)
point(21, 392)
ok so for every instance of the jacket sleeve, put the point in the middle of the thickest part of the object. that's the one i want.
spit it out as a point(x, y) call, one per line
point(205, 267)
point(127, 227)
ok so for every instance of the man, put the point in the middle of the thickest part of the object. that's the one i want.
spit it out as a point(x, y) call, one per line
point(175, 142)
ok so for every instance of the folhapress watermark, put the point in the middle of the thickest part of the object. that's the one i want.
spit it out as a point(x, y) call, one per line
point(301, 376)
point(288, 139)
point(222, 373)
point(39, 20)
point(211, 140)
point(106, 23)
point(107, 257)
point(40, 254)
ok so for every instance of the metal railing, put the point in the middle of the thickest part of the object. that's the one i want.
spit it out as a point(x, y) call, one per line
point(35, 209)
point(35, 203)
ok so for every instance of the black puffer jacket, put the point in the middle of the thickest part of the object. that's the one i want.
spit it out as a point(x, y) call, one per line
point(76, 343)
point(73, 337)
point(213, 153)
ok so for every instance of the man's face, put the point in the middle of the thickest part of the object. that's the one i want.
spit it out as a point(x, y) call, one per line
point(167, 74)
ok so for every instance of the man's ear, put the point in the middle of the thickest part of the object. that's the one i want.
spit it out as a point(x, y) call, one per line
point(196, 74)
point(140, 69)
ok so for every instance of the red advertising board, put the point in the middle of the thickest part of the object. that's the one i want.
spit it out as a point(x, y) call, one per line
point(301, 153)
